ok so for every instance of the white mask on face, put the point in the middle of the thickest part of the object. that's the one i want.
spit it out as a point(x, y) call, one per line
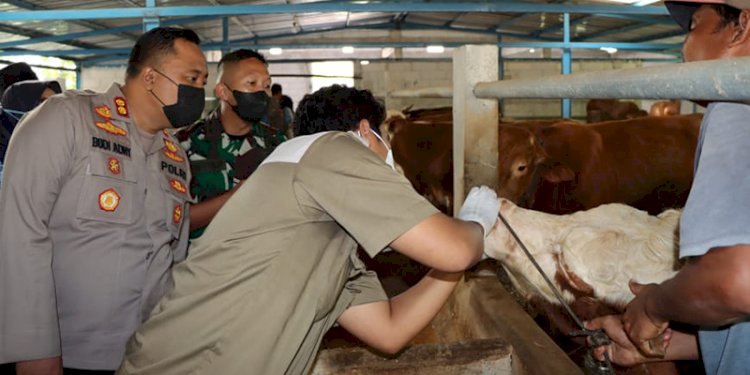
point(388, 157)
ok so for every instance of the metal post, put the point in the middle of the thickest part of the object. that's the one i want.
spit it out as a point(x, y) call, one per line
point(150, 18)
point(566, 62)
point(225, 36)
point(500, 71)
point(79, 78)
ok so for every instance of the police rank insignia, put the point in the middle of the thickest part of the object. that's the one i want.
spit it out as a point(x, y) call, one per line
point(114, 166)
point(178, 186)
point(170, 151)
point(177, 213)
point(111, 128)
point(109, 200)
point(122, 106)
point(104, 111)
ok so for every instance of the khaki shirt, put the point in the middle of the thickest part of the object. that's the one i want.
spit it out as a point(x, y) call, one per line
point(277, 265)
point(89, 228)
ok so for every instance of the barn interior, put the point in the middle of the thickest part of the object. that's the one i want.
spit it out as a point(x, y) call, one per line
point(394, 49)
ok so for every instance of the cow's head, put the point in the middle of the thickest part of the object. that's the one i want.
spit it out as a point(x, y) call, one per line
point(519, 157)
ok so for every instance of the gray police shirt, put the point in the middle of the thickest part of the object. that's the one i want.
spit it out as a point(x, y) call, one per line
point(717, 214)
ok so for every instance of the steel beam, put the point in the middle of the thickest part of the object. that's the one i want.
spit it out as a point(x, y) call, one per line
point(150, 20)
point(38, 34)
point(23, 4)
point(429, 92)
point(566, 63)
point(724, 80)
point(618, 30)
point(395, 7)
point(86, 34)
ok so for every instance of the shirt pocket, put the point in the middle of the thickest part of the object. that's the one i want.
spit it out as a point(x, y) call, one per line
point(109, 190)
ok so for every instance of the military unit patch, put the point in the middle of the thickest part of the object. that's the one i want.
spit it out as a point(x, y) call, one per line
point(104, 111)
point(114, 166)
point(178, 186)
point(177, 214)
point(109, 200)
point(122, 106)
point(111, 128)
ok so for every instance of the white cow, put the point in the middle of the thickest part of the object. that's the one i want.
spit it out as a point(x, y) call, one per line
point(590, 253)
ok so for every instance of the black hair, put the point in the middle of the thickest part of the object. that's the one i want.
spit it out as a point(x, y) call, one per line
point(337, 108)
point(241, 54)
point(729, 15)
point(275, 89)
point(156, 43)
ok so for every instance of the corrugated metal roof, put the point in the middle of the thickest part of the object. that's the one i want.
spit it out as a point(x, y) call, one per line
point(543, 26)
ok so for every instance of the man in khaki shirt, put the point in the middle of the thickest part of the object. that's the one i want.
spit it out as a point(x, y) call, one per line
point(277, 267)
point(93, 211)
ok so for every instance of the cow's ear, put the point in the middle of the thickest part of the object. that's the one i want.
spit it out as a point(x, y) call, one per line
point(558, 173)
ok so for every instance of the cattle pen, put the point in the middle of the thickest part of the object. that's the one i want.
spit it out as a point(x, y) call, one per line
point(477, 56)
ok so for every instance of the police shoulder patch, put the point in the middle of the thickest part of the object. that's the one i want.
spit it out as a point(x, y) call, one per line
point(114, 166)
point(103, 111)
point(122, 106)
point(111, 128)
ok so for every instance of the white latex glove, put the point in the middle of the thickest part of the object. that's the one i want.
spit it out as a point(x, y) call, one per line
point(481, 206)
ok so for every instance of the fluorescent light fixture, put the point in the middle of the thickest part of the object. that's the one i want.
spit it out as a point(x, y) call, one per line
point(365, 62)
point(435, 49)
point(609, 50)
point(531, 50)
point(275, 51)
point(347, 49)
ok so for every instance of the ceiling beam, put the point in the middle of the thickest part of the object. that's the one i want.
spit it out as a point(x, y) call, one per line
point(406, 6)
point(15, 30)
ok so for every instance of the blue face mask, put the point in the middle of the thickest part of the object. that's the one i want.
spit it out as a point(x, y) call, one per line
point(16, 115)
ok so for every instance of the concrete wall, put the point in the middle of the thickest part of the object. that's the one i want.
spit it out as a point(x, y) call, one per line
point(383, 77)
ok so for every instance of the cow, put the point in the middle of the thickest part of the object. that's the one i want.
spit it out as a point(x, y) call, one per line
point(590, 256)
point(598, 110)
point(643, 162)
point(665, 108)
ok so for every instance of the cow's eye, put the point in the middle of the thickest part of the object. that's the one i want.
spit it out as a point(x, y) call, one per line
point(521, 168)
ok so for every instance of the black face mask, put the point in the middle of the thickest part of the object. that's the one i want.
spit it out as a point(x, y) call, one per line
point(189, 106)
point(251, 106)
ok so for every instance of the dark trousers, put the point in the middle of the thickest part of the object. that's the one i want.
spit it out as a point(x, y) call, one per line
point(10, 369)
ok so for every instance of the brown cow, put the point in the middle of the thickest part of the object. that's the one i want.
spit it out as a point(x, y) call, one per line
point(644, 162)
point(598, 110)
point(665, 108)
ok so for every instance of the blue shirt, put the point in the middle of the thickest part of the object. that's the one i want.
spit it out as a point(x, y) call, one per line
point(717, 213)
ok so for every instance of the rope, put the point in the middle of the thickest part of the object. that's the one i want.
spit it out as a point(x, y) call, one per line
point(596, 338)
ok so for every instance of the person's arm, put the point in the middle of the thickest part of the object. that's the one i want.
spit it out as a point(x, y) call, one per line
point(389, 325)
point(47, 366)
point(38, 160)
point(711, 290)
point(622, 351)
point(202, 213)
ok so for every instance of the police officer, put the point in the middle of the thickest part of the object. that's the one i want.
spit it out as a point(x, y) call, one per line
point(228, 145)
point(93, 210)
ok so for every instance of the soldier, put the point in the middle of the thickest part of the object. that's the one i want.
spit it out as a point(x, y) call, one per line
point(227, 145)
point(93, 210)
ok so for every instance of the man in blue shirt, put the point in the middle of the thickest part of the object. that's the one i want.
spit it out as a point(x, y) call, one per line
point(712, 290)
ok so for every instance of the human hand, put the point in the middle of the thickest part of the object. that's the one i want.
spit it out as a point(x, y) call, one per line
point(46, 366)
point(642, 329)
point(621, 351)
point(481, 206)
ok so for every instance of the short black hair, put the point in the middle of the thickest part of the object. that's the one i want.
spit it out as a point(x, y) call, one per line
point(275, 89)
point(337, 108)
point(156, 43)
point(729, 15)
point(241, 54)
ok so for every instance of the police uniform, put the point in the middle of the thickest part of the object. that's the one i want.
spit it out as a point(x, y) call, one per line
point(218, 161)
point(278, 264)
point(90, 225)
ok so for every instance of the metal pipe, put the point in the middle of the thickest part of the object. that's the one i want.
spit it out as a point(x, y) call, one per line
point(429, 92)
point(566, 64)
point(703, 80)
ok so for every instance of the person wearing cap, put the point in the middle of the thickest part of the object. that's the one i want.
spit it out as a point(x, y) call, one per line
point(278, 265)
point(16, 72)
point(93, 211)
point(711, 291)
